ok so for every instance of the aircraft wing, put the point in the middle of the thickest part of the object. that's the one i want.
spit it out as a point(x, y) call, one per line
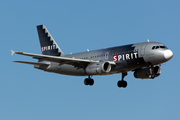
point(61, 60)
point(33, 63)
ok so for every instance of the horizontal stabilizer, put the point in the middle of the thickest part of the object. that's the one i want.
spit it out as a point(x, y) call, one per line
point(12, 52)
point(32, 63)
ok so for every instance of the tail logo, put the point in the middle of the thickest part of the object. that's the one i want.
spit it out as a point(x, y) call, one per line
point(45, 48)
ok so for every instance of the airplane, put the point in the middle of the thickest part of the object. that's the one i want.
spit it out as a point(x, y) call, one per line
point(144, 59)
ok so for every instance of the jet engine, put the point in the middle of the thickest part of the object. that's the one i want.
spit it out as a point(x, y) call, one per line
point(145, 73)
point(98, 68)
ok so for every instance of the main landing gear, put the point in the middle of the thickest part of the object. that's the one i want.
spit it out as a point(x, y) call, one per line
point(122, 83)
point(89, 81)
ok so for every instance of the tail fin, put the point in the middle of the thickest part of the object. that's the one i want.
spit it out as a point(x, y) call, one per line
point(48, 44)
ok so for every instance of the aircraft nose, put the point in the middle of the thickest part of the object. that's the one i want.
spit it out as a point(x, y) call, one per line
point(168, 54)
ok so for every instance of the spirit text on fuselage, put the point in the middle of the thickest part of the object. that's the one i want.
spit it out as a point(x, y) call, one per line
point(128, 56)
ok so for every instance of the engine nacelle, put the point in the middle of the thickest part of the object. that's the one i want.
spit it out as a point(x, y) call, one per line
point(144, 73)
point(98, 68)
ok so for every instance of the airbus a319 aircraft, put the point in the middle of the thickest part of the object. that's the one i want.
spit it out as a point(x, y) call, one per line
point(144, 59)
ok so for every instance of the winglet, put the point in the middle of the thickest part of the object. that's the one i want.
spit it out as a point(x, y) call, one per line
point(12, 52)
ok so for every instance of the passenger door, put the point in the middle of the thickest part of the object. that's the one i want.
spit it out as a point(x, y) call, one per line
point(143, 47)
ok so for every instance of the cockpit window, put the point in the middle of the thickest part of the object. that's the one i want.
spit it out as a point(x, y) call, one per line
point(153, 47)
point(157, 47)
point(162, 47)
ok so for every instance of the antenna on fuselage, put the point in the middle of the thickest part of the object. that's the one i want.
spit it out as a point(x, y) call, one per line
point(148, 40)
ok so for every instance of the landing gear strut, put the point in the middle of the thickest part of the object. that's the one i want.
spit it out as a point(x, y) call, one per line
point(89, 81)
point(122, 83)
point(151, 70)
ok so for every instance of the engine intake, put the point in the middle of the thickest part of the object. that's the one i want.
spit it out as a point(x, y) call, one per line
point(98, 68)
point(144, 73)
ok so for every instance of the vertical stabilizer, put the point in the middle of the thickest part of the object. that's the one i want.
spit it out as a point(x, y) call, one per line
point(48, 44)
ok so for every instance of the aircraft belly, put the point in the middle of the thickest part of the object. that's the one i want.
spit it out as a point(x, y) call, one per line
point(62, 69)
point(71, 70)
point(121, 66)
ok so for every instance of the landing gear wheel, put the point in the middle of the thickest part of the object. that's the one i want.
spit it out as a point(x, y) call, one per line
point(89, 81)
point(122, 84)
point(151, 76)
point(119, 83)
point(86, 81)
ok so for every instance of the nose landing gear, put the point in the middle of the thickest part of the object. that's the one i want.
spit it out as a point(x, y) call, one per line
point(151, 70)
